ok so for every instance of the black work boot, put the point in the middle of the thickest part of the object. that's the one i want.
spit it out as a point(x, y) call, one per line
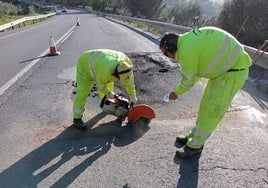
point(187, 152)
point(79, 124)
point(180, 141)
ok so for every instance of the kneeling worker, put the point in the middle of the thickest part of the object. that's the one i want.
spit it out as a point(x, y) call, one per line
point(101, 67)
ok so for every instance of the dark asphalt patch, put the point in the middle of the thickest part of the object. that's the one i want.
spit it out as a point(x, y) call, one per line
point(163, 70)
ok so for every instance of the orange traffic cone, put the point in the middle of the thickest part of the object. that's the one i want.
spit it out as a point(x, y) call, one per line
point(77, 21)
point(53, 48)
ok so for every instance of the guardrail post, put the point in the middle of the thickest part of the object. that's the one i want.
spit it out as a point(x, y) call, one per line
point(149, 28)
point(260, 51)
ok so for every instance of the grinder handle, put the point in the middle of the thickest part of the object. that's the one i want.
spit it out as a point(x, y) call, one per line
point(102, 101)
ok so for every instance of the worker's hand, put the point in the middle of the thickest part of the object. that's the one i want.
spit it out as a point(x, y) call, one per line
point(110, 95)
point(133, 99)
point(173, 96)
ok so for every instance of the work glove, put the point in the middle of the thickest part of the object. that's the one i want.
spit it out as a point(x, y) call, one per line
point(133, 99)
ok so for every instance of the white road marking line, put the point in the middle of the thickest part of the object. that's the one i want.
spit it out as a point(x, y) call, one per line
point(30, 65)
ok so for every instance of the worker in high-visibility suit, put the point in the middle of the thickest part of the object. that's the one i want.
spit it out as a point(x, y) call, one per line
point(101, 67)
point(214, 54)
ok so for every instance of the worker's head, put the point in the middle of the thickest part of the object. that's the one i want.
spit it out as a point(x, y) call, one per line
point(124, 73)
point(168, 44)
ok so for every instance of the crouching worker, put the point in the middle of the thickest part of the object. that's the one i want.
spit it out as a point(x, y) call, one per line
point(101, 67)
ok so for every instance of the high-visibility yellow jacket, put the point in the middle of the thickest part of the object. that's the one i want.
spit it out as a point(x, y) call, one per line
point(208, 52)
point(101, 63)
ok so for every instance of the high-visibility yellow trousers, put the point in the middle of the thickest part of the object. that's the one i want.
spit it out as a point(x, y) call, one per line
point(84, 85)
point(216, 100)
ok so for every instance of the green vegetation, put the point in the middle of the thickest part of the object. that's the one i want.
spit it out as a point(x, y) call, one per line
point(6, 18)
point(9, 12)
point(245, 19)
point(14, 10)
point(184, 13)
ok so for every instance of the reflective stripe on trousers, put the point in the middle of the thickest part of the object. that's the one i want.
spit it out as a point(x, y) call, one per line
point(216, 100)
point(78, 111)
point(197, 138)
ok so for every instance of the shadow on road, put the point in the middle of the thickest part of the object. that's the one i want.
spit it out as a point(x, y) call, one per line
point(40, 57)
point(70, 147)
point(188, 172)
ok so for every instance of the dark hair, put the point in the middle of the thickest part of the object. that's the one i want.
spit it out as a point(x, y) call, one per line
point(169, 41)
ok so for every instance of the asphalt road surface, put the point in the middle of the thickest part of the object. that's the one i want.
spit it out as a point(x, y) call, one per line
point(40, 148)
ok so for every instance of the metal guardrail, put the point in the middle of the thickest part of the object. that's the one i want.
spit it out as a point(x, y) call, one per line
point(259, 57)
point(22, 20)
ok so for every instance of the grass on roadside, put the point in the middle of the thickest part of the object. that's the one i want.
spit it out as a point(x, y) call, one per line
point(154, 30)
point(7, 18)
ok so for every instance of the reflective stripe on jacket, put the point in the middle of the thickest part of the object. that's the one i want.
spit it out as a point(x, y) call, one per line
point(100, 65)
point(208, 52)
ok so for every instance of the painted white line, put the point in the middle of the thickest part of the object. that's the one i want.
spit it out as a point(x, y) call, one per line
point(30, 65)
point(20, 74)
point(67, 37)
point(66, 34)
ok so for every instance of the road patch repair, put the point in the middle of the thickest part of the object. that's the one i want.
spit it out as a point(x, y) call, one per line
point(138, 155)
point(151, 146)
point(156, 75)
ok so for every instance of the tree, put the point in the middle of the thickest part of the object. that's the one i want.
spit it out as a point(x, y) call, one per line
point(149, 9)
point(184, 13)
point(98, 5)
point(246, 19)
